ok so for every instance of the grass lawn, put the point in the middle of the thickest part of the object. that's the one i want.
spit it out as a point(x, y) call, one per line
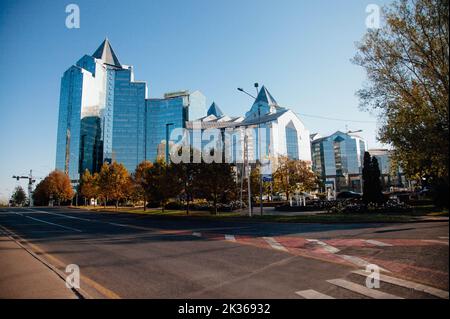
point(418, 213)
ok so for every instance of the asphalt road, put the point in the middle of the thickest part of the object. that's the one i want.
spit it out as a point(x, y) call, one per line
point(136, 256)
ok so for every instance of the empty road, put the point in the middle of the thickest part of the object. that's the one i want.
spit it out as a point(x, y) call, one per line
point(137, 256)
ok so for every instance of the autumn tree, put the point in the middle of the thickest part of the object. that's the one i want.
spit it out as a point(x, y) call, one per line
point(59, 187)
point(187, 176)
point(142, 180)
point(407, 65)
point(216, 182)
point(162, 183)
point(294, 176)
point(88, 187)
point(19, 197)
point(113, 182)
point(56, 186)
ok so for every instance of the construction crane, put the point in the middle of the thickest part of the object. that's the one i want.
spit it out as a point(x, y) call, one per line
point(31, 181)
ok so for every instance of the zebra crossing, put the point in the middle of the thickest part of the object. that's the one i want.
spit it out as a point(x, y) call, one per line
point(373, 293)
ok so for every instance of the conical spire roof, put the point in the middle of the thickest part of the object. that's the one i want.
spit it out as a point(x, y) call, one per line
point(215, 110)
point(106, 53)
point(265, 96)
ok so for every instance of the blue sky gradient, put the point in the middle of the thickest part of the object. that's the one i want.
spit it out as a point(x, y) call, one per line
point(300, 50)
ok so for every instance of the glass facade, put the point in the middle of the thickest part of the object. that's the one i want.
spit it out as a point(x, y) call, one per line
point(339, 158)
point(128, 131)
point(91, 145)
point(68, 135)
point(102, 115)
point(291, 141)
point(163, 116)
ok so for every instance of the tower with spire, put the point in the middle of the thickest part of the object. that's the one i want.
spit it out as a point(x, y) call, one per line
point(101, 109)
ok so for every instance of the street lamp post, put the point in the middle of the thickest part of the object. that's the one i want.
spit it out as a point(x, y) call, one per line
point(259, 146)
point(167, 142)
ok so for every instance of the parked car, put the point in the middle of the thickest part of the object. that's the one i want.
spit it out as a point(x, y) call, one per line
point(348, 194)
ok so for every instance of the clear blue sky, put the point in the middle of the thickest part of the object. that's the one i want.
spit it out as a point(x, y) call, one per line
point(299, 49)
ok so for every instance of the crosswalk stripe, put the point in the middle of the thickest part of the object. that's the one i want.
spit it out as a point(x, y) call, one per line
point(325, 246)
point(372, 293)
point(409, 284)
point(312, 294)
point(435, 241)
point(274, 244)
point(230, 238)
point(377, 243)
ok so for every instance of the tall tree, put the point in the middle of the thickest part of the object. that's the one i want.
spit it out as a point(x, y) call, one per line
point(142, 178)
point(56, 186)
point(407, 64)
point(88, 187)
point(294, 175)
point(163, 183)
point(187, 175)
point(371, 180)
point(41, 193)
point(59, 187)
point(216, 182)
point(19, 197)
point(113, 181)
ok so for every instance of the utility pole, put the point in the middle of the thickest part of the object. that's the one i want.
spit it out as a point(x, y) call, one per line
point(248, 175)
point(259, 155)
point(31, 180)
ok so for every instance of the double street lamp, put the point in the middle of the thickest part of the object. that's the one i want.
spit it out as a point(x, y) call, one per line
point(259, 152)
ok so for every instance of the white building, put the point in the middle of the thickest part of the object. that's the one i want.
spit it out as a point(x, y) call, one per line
point(282, 132)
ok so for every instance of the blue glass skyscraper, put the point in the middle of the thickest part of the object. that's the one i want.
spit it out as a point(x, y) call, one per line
point(101, 114)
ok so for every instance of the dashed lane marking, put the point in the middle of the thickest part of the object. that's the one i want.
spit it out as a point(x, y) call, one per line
point(408, 284)
point(46, 222)
point(312, 294)
point(359, 289)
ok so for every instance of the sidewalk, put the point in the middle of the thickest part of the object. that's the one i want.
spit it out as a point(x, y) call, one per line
point(24, 277)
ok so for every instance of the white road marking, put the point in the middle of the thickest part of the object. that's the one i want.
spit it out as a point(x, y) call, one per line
point(43, 221)
point(274, 244)
point(312, 294)
point(443, 237)
point(197, 234)
point(362, 290)
point(409, 284)
point(62, 215)
point(120, 225)
point(325, 246)
point(359, 261)
point(435, 241)
point(230, 238)
point(377, 243)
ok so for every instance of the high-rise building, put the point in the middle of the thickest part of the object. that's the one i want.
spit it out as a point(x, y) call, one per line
point(101, 114)
point(168, 113)
point(338, 160)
